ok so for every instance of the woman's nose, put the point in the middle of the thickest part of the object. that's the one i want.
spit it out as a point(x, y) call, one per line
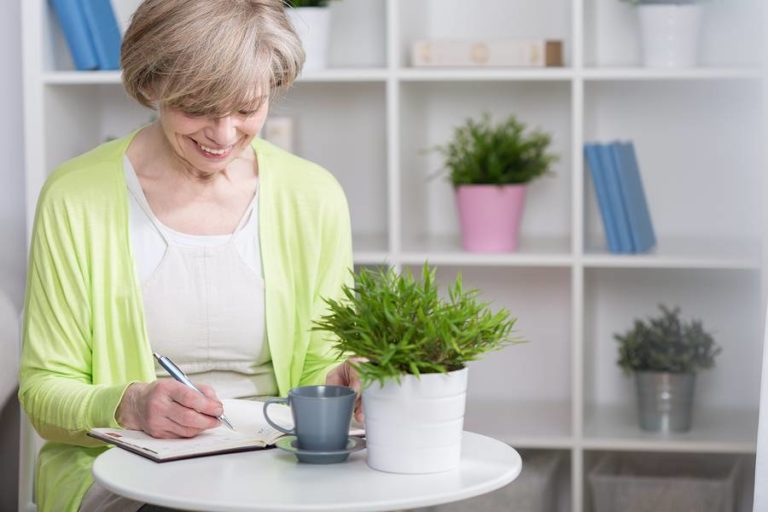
point(223, 130)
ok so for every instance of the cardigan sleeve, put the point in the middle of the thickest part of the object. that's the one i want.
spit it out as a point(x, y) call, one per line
point(55, 380)
point(334, 270)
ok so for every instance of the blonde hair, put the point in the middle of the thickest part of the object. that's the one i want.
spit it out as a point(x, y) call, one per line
point(209, 57)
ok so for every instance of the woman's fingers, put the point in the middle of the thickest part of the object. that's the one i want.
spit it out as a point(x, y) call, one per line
point(171, 410)
point(188, 422)
point(193, 400)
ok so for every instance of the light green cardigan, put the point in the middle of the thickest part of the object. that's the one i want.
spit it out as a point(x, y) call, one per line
point(84, 332)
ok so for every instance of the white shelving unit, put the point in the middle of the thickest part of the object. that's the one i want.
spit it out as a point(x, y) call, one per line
point(370, 118)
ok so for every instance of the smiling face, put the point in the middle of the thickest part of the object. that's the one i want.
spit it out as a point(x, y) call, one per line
point(207, 143)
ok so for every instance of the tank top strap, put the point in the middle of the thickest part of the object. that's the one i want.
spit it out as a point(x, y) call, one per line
point(248, 212)
point(134, 186)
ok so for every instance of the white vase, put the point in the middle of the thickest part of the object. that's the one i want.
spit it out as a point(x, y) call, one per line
point(416, 426)
point(670, 34)
point(312, 26)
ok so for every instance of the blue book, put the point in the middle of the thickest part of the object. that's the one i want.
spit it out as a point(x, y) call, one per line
point(105, 34)
point(631, 185)
point(610, 161)
point(76, 33)
point(598, 180)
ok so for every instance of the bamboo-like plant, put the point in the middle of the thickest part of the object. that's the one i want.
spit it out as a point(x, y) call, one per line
point(483, 153)
point(666, 344)
point(399, 325)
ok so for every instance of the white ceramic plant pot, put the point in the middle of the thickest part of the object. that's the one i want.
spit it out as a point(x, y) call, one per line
point(416, 426)
point(670, 34)
point(312, 25)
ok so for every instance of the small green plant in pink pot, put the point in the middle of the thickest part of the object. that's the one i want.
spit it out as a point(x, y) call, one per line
point(490, 166)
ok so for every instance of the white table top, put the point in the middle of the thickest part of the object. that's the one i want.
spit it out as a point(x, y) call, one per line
point(272, 480)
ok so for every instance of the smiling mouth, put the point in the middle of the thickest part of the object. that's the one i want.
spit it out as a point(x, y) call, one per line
point(213, 152)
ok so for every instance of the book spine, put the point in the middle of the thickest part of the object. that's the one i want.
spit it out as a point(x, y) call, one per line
point(76, 33)
point(611, 164)
point(598, 180)
point(105, 33)
point(644, 237)
point(506, 53)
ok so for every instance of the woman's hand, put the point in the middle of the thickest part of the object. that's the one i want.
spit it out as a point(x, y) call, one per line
point(345, 375)
point(168, 409)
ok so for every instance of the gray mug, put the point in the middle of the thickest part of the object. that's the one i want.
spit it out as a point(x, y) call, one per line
point(321, 415)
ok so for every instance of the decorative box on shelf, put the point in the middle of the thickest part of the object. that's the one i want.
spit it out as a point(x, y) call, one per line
point(680, 482)
point(478, 53)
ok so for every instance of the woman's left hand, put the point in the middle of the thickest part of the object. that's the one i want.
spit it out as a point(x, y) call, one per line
point(345, 375)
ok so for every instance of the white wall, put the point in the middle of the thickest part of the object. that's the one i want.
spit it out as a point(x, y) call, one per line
point(12, 251)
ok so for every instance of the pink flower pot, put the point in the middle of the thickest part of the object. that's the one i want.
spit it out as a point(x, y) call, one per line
point(490, 216)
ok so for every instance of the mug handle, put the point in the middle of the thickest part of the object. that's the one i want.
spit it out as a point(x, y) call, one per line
point(272, 423)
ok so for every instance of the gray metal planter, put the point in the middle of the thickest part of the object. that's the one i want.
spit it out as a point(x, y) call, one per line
point(665, 400)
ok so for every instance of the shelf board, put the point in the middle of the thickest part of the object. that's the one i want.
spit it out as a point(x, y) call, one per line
point(614, 427)
point(483, 74)
point(639, 73)
point(521, 424)
point(327, 75)
point(345, 75)
point(687, 253)
point(342, 75)
point(81, 77)
point(447, 250)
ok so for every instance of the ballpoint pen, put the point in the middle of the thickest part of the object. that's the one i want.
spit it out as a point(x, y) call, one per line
point(175, 372)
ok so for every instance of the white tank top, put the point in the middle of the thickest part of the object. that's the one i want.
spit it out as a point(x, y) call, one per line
point(204, 299)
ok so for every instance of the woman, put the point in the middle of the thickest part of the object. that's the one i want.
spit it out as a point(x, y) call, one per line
point(190, 237)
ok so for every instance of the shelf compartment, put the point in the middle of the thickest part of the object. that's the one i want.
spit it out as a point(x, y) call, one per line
point(483, 19)
point(718, 430)
point(701, 183)
point(112, 114)
point(429, 113)
point(522, 424)
point(361, 43)
point(354, 151)
point(727, 302)
point(681, 253)
point(729, 34)
point(547, 331)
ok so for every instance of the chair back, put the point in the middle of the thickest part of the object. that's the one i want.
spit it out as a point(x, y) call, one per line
point(29, 446)
point(761, 466)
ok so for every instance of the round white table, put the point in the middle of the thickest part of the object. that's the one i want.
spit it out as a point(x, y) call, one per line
point(272, 480)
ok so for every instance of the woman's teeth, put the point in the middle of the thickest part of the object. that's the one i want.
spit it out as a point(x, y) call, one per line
point(214, 151)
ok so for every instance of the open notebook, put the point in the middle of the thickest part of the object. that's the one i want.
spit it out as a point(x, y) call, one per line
point(252, 432)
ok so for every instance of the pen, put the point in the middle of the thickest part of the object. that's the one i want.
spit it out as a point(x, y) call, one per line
point(175, 372)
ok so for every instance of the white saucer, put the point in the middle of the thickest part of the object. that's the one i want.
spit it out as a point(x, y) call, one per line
point(288, 444)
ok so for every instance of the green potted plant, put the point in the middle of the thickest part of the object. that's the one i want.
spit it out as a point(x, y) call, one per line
point(311, 19)
point(669, 32)
point(490, 166)
point(411, 348)
point(664, 353)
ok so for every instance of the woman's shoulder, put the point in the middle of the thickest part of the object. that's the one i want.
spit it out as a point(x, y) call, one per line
point(91, 174)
